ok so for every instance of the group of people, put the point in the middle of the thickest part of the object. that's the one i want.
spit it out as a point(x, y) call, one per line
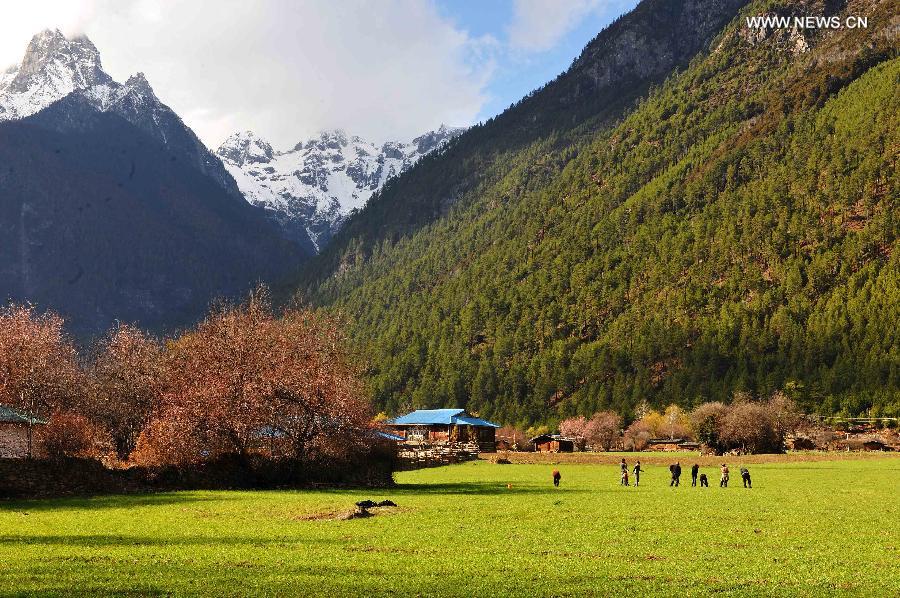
point(675, 471)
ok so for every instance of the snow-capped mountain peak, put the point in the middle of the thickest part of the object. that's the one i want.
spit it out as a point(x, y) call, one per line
point(55, 67)
point(246, 147)
point(52, 68)
point(313, 186)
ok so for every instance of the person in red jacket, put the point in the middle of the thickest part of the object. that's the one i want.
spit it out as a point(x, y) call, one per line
point(556, 477)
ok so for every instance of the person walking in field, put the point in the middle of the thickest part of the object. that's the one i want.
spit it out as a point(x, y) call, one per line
point(694, 471)
point(556, 477)
point(676, 474)
point(624, 477)
point(745, 476)
point(723, 483)
point(637, 473)
point(704, 482)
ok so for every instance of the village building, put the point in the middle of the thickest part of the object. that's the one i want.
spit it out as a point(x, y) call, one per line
point(14, 426)
point(444, 426)
point(553, 443)
point(672, 444)
point(863, 444)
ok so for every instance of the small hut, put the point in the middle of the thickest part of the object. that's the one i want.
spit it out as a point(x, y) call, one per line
point(553, 443)
point(672, 444)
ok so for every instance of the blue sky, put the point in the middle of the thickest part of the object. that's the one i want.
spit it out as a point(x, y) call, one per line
point(520, 67)
point(287, 69)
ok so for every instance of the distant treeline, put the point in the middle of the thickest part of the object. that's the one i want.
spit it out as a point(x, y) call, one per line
point(744, 425)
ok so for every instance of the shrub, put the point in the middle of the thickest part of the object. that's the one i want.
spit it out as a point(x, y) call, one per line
point(706, 420)
point(69, 435)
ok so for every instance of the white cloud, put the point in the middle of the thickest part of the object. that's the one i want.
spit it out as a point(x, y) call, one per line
point(282, 68)
point(538, 25)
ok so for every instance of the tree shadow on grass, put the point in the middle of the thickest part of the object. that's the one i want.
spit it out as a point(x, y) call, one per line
point(116, 501)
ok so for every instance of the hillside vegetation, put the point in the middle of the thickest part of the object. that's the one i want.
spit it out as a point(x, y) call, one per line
point(735, 231)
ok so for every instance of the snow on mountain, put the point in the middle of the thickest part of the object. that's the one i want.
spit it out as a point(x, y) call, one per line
point(313, 186)
point(55, 67)
point(307, 191)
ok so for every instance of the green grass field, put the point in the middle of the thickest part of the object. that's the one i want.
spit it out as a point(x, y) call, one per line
point(806, 528)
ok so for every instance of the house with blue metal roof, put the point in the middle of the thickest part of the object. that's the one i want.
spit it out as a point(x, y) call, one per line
point(445, 426)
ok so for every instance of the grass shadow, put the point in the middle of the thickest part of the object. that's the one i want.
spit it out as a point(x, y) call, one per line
point(114, 501)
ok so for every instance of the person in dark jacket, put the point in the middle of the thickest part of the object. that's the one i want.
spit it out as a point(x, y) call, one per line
point(704, 482)
point(676, 474)
point(637, 473)
point(556, 477)
point(745, 476)
point(694, 471)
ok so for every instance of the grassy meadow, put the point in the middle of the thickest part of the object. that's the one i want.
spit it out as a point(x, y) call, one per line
point(808, 528)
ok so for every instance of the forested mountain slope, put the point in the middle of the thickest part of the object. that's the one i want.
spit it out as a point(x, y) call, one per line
point(736, 231)
point(640, 49)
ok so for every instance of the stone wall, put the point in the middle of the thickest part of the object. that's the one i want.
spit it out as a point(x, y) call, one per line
point(13, 441)
point(42, 478)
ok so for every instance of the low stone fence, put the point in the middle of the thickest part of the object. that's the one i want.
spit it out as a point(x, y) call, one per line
point(40, 478)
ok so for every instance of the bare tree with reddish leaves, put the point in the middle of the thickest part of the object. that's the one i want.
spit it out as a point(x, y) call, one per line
point(38, 369)
point(574, 428)
point(245, 381)
point(603, 429)
point(515, 437)
point(126, 381)
point(637, 436)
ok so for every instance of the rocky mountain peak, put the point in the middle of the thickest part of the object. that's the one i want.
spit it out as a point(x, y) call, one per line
point(329, 139)
point(138, 83)
point(50, 54)
point(312, 187)
point(245, 147)
point(53, 67)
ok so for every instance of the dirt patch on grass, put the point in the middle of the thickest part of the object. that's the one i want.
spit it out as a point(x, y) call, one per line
point(346, 514)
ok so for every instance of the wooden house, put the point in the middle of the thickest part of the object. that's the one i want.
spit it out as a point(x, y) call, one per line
point(444, 426)
point(672, 444)
point(553, 443)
